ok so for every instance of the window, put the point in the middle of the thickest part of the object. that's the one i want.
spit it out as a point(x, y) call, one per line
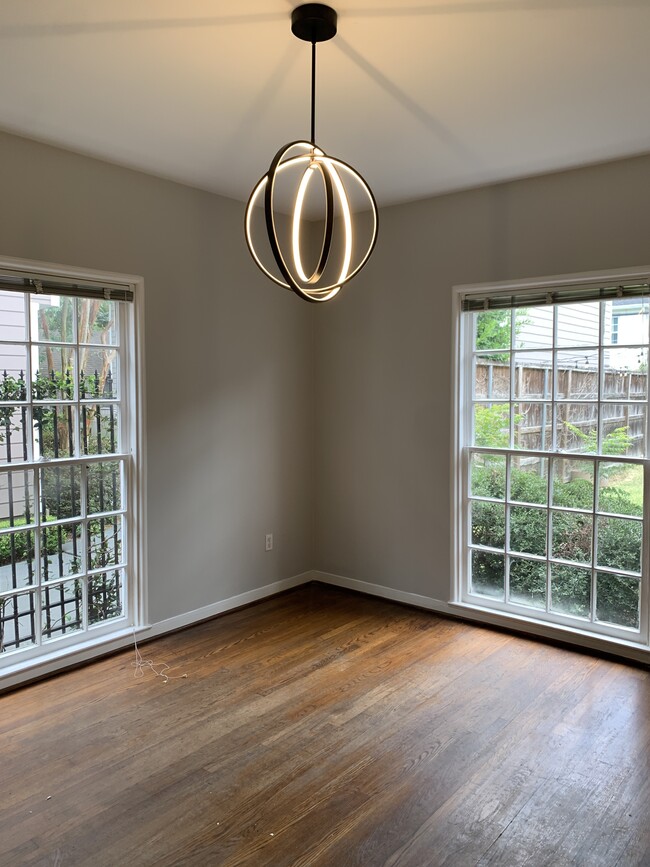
point(552, 448)
point(69, 476)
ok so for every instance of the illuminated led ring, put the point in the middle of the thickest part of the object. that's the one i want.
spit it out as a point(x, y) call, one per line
point(317, 161)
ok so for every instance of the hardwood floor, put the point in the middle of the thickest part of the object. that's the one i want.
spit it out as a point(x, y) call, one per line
point(326, 728)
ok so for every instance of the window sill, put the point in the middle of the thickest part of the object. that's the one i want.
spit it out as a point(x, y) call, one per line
point(22, 671)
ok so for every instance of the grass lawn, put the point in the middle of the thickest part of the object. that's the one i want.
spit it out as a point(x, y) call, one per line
point(629, 480)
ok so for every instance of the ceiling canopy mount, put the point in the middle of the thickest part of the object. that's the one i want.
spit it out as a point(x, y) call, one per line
point(314, 22)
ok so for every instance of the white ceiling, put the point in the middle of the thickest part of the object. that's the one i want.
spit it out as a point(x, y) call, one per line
point(421, 97)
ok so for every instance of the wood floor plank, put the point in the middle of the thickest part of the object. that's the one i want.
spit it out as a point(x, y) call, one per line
point(322, 728)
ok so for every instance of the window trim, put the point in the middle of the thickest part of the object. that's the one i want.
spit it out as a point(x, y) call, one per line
point(461, 418)
point(97, 641)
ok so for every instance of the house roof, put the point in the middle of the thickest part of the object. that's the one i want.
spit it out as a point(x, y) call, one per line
point(422, 97)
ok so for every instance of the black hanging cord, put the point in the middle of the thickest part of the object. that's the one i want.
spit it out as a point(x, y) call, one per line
point(313, 93)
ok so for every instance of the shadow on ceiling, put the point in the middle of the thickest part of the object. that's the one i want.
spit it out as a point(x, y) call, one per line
point(15, 31)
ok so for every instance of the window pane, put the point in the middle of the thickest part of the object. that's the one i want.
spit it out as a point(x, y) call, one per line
point(619, 543)
point(62, 608)
point(13, 434)
point(620, 488)
point(16, 497)
point(570, 590)
point(61, 551)
point(576, 375)
point(487, 577)
point(528, 582)
point(529, 479)
point(623, 429)
point(52, 318)
point(492, 425)
point(54, 427)
point(104, 490)
point(17, 621)
point(104, 542)
point(573, 483)
point(492, 376)
point(493, 329)
point(577, 427)
point(100, 429)
point(105, 596)
point(572, 536)
point(626, 320)
point(488, 524)
point(13, 362)
point(528, 530)
point(533, 327)
point(60, 492)
point(637, 432)
point(625, 374)
point(617, 600)
point(533, 375)
point(98, 321)
point(532, 426)
point(53, 373)
point(578, 324)
point(17, 560)
point(98, 373)
point(488, 476)
point(12, 310)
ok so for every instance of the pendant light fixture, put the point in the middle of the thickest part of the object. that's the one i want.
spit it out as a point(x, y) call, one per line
point(347, 211)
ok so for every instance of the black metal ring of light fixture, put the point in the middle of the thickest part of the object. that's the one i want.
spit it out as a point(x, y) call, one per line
point(270, 219)
point(311, 22)
point(305, 289)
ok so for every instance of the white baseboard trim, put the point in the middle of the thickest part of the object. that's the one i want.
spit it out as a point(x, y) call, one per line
point(189, 618)
point(22, 671)
point(27, 670)
point(525, 626)
point(415, 599)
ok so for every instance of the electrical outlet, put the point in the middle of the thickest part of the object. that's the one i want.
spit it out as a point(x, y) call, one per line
point(269, 541)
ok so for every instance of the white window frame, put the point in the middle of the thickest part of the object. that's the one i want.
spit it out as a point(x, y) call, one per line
point(67, 649)
point(504, 614)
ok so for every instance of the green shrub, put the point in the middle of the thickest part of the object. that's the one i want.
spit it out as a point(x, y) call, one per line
point(489, 480)
point(528, 582)
point(572, 536)
point(488, 524)
point(619, 544)
point(576, 494)
point(528, 487)
point(23, 543)
point(528, 530)
point(571, 590)
point(618, 600)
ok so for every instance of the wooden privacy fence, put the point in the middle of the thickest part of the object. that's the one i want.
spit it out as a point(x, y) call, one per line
point(624, 403)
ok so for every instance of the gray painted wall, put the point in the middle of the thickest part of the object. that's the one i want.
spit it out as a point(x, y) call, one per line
point(383, 365)
point(230, 408)
point(292, 417)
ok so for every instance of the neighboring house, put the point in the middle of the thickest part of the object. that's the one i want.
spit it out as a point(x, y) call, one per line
point(626, 324)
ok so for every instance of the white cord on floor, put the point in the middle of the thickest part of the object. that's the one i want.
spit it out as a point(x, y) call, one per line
point(160, 669)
